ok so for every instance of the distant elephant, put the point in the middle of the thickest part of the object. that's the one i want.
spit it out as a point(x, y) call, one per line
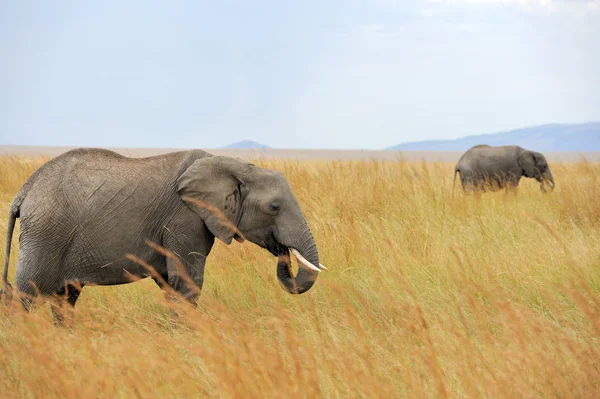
point(483, 166)
point(83, 211)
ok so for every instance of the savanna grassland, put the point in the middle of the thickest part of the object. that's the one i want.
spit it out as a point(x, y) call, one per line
point(428, 294)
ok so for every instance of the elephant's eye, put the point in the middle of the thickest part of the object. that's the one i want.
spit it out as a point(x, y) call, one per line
point(274, 207)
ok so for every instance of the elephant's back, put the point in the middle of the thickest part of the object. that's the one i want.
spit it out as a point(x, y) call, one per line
point(493, 160)
point(483, 156)
point(82, 179)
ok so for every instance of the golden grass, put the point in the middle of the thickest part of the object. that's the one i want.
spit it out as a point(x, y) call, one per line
point(427, 295)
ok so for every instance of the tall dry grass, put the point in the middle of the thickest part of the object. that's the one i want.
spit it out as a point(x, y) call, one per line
point(428, 294)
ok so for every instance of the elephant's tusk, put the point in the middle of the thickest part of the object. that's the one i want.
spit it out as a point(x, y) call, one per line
point(322, 266)
point(303, 260)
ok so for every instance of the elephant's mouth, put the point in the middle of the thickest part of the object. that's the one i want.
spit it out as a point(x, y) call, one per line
point(279, 250)
point(274, 247)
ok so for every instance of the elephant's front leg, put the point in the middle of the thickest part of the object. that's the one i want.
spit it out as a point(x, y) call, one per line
point(185, 275)
point(63, 303)
point(185, 247)
point(183, 280)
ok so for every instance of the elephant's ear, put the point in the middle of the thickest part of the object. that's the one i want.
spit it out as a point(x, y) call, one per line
point(212, 187)
point(527, 162)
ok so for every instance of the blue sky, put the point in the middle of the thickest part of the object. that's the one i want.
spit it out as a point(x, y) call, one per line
point(309, 74)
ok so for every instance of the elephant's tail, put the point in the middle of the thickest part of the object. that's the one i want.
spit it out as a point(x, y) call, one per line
point(456, 170)
point(13, 214)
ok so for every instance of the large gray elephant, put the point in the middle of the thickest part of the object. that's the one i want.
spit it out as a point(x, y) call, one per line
point(485, 167)
point(83, 211)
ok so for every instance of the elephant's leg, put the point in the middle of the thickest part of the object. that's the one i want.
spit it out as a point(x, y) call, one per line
point(186, 278)
point(498, 182)
point(38, 274)
point(64, 302)
point(185, 257)
point(27, 301)
point(468, 183)
point(510, 183)
point(28, 293)
point(169, 293)
point(514, 180)
point(481, 183)
point(484, 182)
point(163, 284)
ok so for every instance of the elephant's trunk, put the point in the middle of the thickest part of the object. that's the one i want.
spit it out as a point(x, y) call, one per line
point(547, 178)
point(550, 180)
point(308, 265)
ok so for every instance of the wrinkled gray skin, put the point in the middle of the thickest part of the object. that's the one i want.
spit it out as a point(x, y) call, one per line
point(83, 211)
point(482, 167)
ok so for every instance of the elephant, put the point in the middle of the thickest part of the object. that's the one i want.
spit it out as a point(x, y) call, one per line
point(485, 167)
point(82, 212)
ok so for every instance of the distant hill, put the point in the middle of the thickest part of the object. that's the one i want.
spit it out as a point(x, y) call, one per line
point(246, 144)
point(555, 137)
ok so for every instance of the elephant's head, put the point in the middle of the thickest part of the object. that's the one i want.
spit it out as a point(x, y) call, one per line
point(534, 165)
point(256, 204)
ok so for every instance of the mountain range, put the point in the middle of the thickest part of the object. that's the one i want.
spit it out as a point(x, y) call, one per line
point(246, 144)
point(578, 137)
point(554, 137)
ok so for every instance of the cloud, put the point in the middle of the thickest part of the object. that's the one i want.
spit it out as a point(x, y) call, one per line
point(548, 7)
